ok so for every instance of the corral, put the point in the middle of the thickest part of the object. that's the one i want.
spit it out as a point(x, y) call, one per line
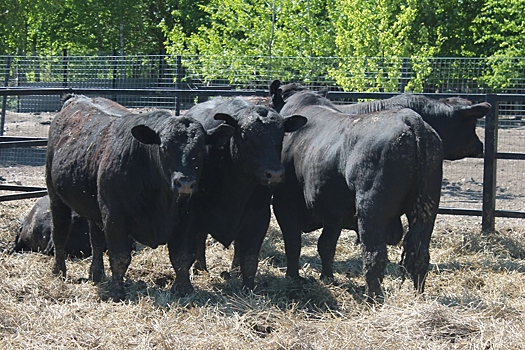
point(474, 296)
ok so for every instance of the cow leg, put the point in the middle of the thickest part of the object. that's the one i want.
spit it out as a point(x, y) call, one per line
point(182, 249)
point(237, 256)
point(421, 216)
point(288, 218)
point(98, 242)
point(326, 248)
point(249, 249)
point(416, 256)
point(61, 222)
point(248, 244)
point(119, 262)
point(119, 252)
point(374, 254)
point(200, 253)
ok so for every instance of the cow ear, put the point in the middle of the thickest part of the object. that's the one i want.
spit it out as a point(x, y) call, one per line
point(220, 135)
point(477, 111)
point(294, 122)
point(228, 119)
point(274, 86)
point(145, 135)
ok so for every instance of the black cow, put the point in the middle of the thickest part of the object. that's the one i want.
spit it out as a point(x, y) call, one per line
point(237, 180)
point(360, 172)
point(454, 119)
point(127, 173)
point(35, 232)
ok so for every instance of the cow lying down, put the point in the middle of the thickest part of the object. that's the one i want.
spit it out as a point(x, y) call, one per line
point(35, 233)
point(129, 174)
point(359, 172)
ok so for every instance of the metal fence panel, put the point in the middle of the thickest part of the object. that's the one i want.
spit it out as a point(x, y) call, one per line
point(29, 115)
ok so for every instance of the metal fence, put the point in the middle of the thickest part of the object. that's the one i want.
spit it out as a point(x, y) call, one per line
point(377, 74)
point(178, 82)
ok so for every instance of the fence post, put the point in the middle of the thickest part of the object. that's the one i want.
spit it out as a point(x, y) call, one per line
point(64, 68)
point(490, 166)
point(178, 80)
point(4, 99)
point(404, 75)
point(114, 73)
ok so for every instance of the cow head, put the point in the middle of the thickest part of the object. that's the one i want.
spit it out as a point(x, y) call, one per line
point(181, 143)
point(459, 135)
point(300, 94)
point(255, 147)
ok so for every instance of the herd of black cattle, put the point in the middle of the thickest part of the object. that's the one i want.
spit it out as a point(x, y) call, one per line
point(222, 167)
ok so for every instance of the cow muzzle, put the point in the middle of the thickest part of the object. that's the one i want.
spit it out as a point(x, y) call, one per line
point(272, 177)
point(185, 186)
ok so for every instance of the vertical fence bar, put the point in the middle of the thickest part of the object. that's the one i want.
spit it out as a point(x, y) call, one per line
point(4, 98)
point(162, 71)
point(178, 84)
point(114, 73)
point(64, 68)
point(404, 75)
point(490, 166)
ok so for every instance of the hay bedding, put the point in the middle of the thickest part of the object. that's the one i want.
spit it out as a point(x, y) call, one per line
point(475, 296)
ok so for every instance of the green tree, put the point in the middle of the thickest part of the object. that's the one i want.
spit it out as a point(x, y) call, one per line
point(499, 28)
point(89, 26)
point(499, 34)
point(241, 38)
point(384, 31)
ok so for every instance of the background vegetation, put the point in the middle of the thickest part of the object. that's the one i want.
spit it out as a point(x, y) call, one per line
point(313, 28)
point(249, 37)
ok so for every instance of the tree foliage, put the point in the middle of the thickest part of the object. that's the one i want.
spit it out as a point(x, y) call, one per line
point(251, 37)
point(89, 26)
point(387, 30)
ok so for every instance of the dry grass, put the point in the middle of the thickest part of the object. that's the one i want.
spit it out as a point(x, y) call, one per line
point(475, 299)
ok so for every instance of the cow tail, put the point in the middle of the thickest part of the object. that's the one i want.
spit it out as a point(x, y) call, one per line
point(415, 256)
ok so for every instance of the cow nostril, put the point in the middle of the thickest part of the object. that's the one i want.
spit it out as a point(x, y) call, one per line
point(185, 186)
point(272, 176)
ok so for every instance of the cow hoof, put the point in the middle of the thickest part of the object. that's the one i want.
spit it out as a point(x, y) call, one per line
point(182, 290)
point(328, 279)
point(59, 270)
point(199, 267)
point(247, 289)
point(118, 295)
point(374, 295)
point(96, 276)
point(374, 299)
point(225, 275)
point(297, 279)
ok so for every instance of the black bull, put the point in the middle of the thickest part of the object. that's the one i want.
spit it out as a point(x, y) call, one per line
point(127, 173)
point(237, 179)
point(454, 119)
point(359, 172)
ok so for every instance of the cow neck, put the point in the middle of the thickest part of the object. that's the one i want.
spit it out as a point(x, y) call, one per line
point(237, 185)
point(223, 220)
